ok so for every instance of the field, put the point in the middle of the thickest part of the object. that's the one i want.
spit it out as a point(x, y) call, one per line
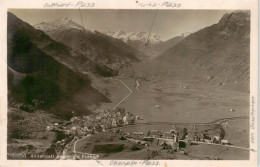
point(237, 132)
point(192, 104)
point(217, 152)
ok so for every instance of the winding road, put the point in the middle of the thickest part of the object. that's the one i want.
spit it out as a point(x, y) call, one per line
point(125, 96)
point(91, 156)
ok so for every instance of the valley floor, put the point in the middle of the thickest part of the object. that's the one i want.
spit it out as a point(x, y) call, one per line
point(177, 102)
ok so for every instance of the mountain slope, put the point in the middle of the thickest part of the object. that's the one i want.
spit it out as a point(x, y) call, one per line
point(94, 46)
point(154, 50)
point(219, 54)
point(36, 79)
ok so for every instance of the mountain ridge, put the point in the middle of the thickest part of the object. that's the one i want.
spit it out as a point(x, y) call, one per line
point(98, 48)
point(218, 54)
point(60, 23)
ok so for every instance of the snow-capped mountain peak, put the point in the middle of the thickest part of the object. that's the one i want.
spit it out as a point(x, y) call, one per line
point(186, 34)
point(64, 18)
point(58, 24)
point(134, 36)
point(116, 33)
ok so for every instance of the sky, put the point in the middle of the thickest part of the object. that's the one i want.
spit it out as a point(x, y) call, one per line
point(167, 24)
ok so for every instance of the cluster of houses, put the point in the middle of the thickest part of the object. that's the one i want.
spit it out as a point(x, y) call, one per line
point(111, 120)
point(173, 139)
point(214, 139)
point(95, 123)
point(154, 137)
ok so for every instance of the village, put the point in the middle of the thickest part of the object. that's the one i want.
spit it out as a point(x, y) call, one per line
point(92, 124)
point(173, 139)
point(113, 121)
point(82, 126)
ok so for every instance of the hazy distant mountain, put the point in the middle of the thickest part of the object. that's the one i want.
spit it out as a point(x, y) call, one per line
point(218, 54)
point(135, 37)
point(151, 47)
point(95, 46)
point(157, 49)
point(36, 78)
point(138, 40)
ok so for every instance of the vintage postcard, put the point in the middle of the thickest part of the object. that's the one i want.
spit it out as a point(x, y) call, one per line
point(129, 83)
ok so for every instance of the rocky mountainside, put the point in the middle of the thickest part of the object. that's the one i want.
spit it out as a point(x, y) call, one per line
point(94, 46)
point(218, 54)
point(36, 77)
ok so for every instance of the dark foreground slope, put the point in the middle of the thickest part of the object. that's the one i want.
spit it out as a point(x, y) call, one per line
point(36, 80)
point(219, 54)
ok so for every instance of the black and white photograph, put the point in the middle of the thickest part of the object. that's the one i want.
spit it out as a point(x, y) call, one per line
point(129, 84)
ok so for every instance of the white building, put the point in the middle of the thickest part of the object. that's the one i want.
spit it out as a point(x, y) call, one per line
point(125, 120)
point(224, 141)
point(157, 106)
point(113, 124)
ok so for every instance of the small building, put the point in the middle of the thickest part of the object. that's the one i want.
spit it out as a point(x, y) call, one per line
point(216, 139)
point(154, 133)
point(207, 141)
point(125, 120)
point(49, 127)
point(138, 133)
point(98, 118)
point(224, 142)
point(113, 123)
point(56, 124)
point(128, 135)
point(174, 129)
point(165, 142)
point(143, 142)
point(147, 138)
point(167, 135)
point(175, 138)
point(157, 106)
